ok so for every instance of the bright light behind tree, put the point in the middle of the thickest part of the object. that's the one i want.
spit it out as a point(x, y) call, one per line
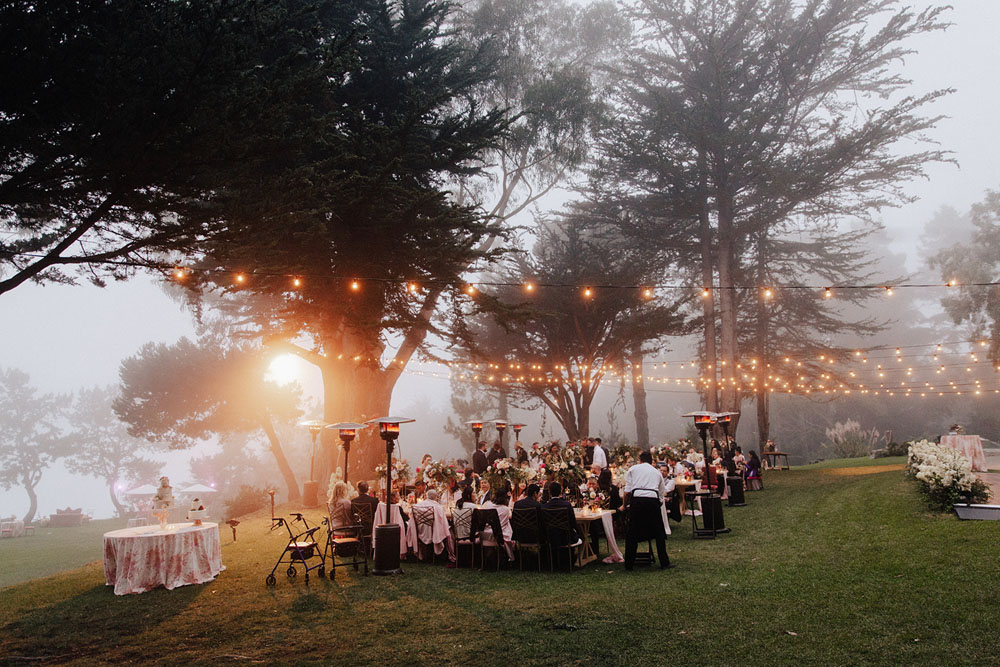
point(284, 369)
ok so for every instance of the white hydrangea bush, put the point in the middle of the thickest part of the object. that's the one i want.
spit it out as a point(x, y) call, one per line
point(944, 474)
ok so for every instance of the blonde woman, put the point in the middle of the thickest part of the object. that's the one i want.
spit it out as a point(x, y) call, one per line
point(340, 506)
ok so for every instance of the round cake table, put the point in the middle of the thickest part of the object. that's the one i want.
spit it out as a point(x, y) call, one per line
point(140, 559)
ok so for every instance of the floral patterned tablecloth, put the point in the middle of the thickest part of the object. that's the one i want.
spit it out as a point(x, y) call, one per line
point(140, 559)
point(971, 446)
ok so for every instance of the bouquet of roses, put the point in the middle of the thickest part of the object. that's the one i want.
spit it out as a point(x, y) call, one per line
point(500, 472)
point(400, 471)
point(440, 471)
point(595, 498)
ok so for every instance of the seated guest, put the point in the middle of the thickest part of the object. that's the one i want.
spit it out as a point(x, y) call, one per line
point(753, 478)
point(530, 498)
point(469, 479)
point(395, 501)
point(499, 503)
point(468, 498)
point(484, 491)
point(340, 506)
point(558, 502)
point(363, 496)
point(610, 490)
point(716, 456)
point(520, 455)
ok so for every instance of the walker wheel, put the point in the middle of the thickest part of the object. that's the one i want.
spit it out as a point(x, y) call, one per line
point(291, 572)
point(270, 581)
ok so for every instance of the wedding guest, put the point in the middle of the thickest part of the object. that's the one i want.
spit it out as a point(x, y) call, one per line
point(716, 456)
point(530, 498)
point(422, 477)
point(588, 451)
point(600, 456)
point(753, 478)
point(469, 479)
point(363, 496)
point(468, 497)
point(520, 455)
point(479, 461)
point(484, 491)
point(644, 490)
point(395, 501)
point(556, 501)
point(495, 454)
point(340, 506)
point(499, 503)
point(609, 489)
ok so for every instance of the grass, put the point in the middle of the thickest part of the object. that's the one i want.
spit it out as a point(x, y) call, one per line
point(51, 550)
point(853, 565)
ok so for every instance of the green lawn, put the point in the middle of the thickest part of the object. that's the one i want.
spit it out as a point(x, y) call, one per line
point(52, 550)
point(825, 566)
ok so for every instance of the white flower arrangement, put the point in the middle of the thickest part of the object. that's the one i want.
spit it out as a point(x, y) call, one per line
point(945, 474)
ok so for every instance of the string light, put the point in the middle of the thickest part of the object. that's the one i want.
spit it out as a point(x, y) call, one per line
point(240, 278)
point(888, 291)
point(296, 282)
point(355, 285)
point(588, 292)
point(648, 293)
point(412, 287)
point(767, 292)
point(470, 290)
point(705, 293)
point(529, 287)
point(827, 293)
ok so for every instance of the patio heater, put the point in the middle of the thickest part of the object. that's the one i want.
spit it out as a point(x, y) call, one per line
point(347, 432)
point(517, 430)
point(477, 428)
point(736, 496)
point(711, 503)
point(310, 490)
point(501, 426)
point(387, 534)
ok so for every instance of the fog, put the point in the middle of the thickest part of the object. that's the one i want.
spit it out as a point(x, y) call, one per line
point(68, 337)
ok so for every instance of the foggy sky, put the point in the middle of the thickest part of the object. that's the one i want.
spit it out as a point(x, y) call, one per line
point(68, 337)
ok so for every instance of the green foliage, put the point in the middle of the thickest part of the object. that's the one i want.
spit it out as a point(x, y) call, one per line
point(31, 433)
point(124, 124)
point(247, 500)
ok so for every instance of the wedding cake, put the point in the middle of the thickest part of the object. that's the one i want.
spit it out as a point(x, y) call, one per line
point(164, 498)
point(197, 511)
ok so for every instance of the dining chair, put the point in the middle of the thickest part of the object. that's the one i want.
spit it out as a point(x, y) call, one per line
point(488, 518)
point(559, 533)
point(424, 517)
point(526, 527)
point(461, 518)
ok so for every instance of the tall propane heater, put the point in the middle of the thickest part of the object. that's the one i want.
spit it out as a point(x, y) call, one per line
point(310, 490)
point(347, 432)
point(387, 534)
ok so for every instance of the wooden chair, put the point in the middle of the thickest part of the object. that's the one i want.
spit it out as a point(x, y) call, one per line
point(364, 516)
point(462, 521)
point(424, 516)
point(481, 519)
point(346, 542)
point(559, 533)
point(527, 529)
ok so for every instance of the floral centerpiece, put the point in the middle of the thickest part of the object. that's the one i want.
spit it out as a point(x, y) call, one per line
point(440, 472)
point(945, 475)
point(400, 471)
point(957, 429)
point(595, 499)
point(500, 472)
point(625, 455)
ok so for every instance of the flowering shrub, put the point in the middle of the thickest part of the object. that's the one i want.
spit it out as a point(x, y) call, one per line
point(945, 475)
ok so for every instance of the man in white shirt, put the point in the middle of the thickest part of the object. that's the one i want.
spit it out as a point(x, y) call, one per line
point(644, 490)
point(600, 456)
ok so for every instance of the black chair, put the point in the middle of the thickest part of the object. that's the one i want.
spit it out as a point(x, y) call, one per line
point(558, 529)
point(364, 516)
point(527, 528)
point(462, 522)
point(481, 519)
point(424, 516)
point(346, 542)
point(641, 557)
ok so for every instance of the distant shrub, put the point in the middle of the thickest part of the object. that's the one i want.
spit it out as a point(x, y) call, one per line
point(848, 440)
point(895, 449)
point(248, 499)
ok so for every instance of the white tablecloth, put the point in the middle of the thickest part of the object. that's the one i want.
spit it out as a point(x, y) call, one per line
point(140, 559)
point(15, 527)
point(441, 536)
point(397, 519)
point(971, 446)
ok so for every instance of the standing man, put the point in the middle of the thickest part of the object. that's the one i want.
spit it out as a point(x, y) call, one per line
point(479, 461)
point(644, 489)
point(600, 456)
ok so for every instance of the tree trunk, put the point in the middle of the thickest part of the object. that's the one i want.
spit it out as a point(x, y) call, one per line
point(763, 416)
point(727, 311)
point(711, 369)
point(279, 457)
point(639, 401)
point(119, 508)
point(503, 398)
point(33, 504)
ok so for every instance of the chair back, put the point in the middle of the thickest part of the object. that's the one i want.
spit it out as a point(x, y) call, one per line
point(526, 525)
point(711, 477)
point(423, 516)
point(364, 516)
point(483, 518)
point(557, 524)
point(462, 518)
